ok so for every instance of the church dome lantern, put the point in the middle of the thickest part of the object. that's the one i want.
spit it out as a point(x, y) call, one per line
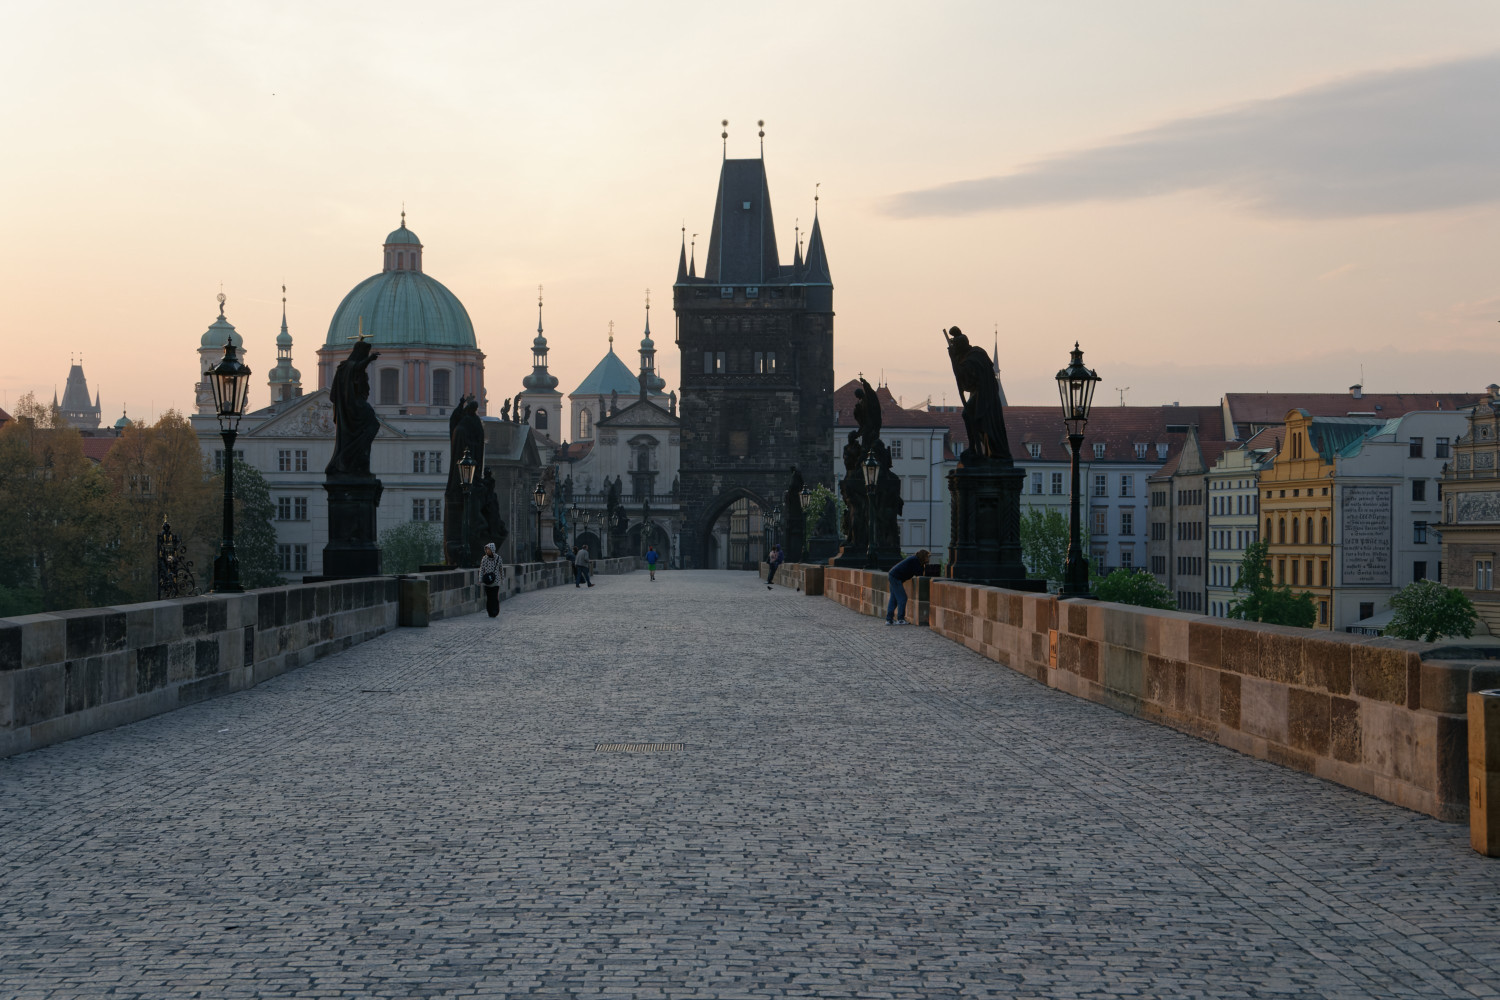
point(402, 306)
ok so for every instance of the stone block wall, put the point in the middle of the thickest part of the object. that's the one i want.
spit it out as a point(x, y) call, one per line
point(1383, 716)
point(68, 673)
point(868, 592)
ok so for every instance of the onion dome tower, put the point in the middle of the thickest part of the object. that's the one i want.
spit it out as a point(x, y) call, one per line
point(540, 387)
point(651, 382)
point(210, 352)
point(284, 381)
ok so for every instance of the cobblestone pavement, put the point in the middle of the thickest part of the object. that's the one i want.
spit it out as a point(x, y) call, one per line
point(858, 811)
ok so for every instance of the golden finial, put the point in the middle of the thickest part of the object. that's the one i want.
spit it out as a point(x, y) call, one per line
point(538, 294)
point(725, 136)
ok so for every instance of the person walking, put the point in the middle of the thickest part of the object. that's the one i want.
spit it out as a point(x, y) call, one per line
point(489, 579)
point(581, 567)
point(912, 565)
point(651, 558)
point(774, 561)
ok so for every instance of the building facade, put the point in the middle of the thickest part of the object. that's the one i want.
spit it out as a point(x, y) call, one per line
point(756, 342)
point(1470, 496)
point(1234, 515)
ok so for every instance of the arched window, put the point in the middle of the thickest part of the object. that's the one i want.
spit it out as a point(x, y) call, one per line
point(1295, 522)
point(585, 424)
point(541, 419)
point(1325, 531)
point(400, 260)
point(1309, 530)
point(1281, 530)
point(1268, 529)
point(390, 387)
point(441, 380)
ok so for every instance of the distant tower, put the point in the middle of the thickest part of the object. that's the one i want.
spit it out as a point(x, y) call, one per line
point(75, 405)
point(757, 361)
point(652, 382)
point(541, 385)
point(284, 381)
point(210, 352)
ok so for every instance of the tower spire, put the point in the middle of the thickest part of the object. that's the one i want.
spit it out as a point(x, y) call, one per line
point(725, 136)
point(538, 310)
point(693, 258)
point(682, 261)
point(762, 125)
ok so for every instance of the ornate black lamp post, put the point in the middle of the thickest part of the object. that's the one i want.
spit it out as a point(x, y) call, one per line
point(466, 479)
point(539, 501)
point(872, 473)
point(230, 380)
point(574, 510)
point(1075, 385)
point(805, 498)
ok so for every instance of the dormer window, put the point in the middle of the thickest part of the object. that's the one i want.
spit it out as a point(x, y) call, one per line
point(726, 292)
point(1034, 449)
point(1140, 449)
point(1161, 450)
point(1098, 449)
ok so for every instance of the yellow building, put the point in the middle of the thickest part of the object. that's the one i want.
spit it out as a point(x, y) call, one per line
point(1296, 504)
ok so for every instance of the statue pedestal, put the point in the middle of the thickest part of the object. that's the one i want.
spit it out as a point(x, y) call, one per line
point(352, 549)
point(985, 541)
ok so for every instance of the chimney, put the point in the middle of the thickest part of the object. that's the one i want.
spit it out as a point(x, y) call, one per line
point(1357, 391)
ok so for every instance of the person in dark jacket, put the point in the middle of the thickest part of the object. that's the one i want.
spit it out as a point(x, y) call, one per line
point(489, 579)
point(773, 562)
point(912, 565)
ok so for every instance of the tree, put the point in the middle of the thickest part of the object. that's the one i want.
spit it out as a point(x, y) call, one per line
point(160, 474)
point(1261, 600)
point(1426, 610)
point(1137, 587)
point(59, 519)
point(254, 534)
point(410, 546)
point(1044, 544)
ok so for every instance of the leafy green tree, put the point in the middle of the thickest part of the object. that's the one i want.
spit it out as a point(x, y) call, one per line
point(409, 546)
point(254, 534)
point(1137, 587)
point(1426, 610)
point(1261, 600)
point(1044, 543)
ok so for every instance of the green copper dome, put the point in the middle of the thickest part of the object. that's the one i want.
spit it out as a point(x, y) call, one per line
point(221, 331)
point(402, 235)
point(402, 308)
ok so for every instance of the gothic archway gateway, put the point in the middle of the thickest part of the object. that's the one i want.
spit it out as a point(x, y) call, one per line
point(732, 533)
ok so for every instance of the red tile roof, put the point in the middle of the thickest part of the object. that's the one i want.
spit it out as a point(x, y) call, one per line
point(96, 448)
point(1118, 428)
point(573, 451)
point(891, 413)
point(4, 417)
point(1263, 408)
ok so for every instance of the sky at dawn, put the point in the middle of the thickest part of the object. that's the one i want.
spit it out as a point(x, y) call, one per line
point(1213, 197)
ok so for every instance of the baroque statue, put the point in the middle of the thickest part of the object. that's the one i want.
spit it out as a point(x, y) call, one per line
point(355, 422)
point(984, 418)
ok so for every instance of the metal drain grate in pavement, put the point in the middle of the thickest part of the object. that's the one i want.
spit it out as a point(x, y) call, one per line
point(636, 747)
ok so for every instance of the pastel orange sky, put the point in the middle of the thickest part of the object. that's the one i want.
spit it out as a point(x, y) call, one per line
point(1210, 197)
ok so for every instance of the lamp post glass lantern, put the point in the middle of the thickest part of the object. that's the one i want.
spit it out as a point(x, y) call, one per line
point(230, 381)
point(574, 510)
point(805, 498)
point(1075, 388)
point(872, 474)
point(466, 481)
point(539, 501)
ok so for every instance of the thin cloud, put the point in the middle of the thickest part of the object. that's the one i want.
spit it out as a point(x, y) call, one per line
point(1391, 142)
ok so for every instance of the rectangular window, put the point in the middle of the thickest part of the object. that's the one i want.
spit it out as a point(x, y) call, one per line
point(1127, 486)
point(299, 558)
point(1100, 524)
point(1033, 449)
point(1484, 574)
point(1419, 489)
point(916, 532)
point(1036, 482)
point(284, 461)
point(390, 387)
point(1159, 565)
point(435, 462)
point(283, 508)
point(1127, 557)
point(419, 463)
point(1322, 612)
point(721, 363)
point(299, 508)
point(739, 444)
point(918, 448)
point(299, 460)
point(1281, 570)
point(441, 387)
point(1159, 532)
point(1440, 448)
point(1098, 449)
point(1418, 570)
point(434, 510)
point(917, 487)
point(1140, 449)
point(895, 447)
point(1101, 486)
point(1416, 447)
point(1323, 573)
point(419, 510)
point(284, 558)
point(1294, 572)
point(1057, 483)
point(239, 456)
point(1419, 532)
point(1127, 522)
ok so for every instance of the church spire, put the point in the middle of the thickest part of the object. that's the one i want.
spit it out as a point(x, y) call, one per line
point(650, 381)
point(540, 379)
point(817, 258)
point(285, 382)
point(682, 263)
